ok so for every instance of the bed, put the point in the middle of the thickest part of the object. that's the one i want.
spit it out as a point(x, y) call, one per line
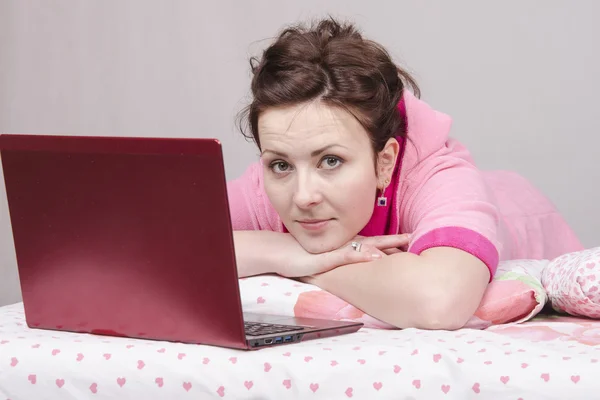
point(532, 350)
point(547, 357)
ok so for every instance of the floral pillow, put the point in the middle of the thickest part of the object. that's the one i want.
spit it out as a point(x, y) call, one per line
point(572, 282)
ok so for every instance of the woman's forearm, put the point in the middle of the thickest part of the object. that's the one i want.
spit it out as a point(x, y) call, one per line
point(261, 252)
point(408, 290)
point(385, 289)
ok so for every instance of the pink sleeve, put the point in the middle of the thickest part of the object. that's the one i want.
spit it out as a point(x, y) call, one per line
point(446, 203)
point(249, 206)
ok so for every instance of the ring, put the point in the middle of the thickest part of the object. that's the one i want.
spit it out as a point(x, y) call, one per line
point(356, 246)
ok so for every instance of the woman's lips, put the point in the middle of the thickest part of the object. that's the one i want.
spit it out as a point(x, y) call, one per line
point(314, 224)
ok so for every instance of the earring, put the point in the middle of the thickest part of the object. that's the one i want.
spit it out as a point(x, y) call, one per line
point(382, 199)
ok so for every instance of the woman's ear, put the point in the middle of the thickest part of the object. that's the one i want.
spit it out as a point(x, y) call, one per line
point(386, 161)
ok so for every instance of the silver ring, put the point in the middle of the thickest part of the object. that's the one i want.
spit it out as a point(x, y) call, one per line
point(356, 246)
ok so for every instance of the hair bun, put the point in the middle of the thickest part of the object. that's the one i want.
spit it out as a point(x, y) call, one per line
point(332, 62)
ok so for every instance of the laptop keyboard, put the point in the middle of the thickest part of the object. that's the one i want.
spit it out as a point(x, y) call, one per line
point(259, 329)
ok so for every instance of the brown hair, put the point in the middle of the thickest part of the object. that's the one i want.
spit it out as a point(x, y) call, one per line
point(331, 62)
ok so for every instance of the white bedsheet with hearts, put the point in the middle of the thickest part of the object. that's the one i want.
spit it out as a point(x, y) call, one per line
point(550, 359)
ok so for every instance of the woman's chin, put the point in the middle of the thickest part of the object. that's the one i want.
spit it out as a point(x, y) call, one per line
point(320, 245)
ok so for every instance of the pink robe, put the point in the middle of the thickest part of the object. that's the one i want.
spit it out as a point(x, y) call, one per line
point(440, 196)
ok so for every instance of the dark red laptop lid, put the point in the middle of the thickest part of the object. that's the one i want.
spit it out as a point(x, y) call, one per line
point(124, 236)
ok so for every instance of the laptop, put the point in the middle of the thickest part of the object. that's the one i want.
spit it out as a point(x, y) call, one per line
point(132, 237)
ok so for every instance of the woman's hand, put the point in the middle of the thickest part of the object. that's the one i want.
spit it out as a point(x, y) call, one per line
point(395, 242)
point(369, 249)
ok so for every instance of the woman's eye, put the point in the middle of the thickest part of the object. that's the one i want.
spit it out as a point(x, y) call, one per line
point(280, 167)
point(331, 162)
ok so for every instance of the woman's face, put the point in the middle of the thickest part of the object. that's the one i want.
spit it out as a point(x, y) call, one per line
point(319, 173)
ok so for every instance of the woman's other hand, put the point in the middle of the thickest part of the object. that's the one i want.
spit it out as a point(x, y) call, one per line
point(359, 250)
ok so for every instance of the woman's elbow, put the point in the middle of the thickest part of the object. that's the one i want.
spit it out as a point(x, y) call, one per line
point(438, 310)
point(440, 320)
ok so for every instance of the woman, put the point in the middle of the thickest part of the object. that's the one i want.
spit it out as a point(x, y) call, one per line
point(360, 191)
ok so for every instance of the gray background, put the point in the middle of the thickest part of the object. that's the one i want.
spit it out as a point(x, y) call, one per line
point(520, 79)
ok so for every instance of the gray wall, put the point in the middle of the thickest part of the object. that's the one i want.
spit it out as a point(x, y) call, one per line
point(520, 79)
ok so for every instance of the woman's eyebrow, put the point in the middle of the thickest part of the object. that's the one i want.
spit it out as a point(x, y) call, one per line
point(325, 148)
point(312, 154)
point(277, 153)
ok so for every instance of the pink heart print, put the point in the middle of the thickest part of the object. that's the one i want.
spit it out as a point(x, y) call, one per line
point(60, 383)
point(159, 382)
point(121, 381)
point(267, 367)
point(32, 378)
point(575, 378)
point(221, 391)
point(504, 379)
point(180, 356)
point(437, 358)
point(333, 363)
point(545, 377)
point(79, 357)
point(187, 386)
point(377, 385)
point(417, 383)
point(397, 369)
point(287, 383)
point(107, 356)
point(14, 362)
point(94, 388)
point(233, 359)
point(314, 387)
point(55, 352)
point(445, 389)
point(260, 300)
point(248, 384)
point(141, 364)
point(349, 392)
point(476, 388)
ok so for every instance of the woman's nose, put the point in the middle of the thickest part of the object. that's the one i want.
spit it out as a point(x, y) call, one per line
point(307, 192)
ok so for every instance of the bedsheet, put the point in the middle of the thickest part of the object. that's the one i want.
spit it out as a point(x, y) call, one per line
point(547, 357)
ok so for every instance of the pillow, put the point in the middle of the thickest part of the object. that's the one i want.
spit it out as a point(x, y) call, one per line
point(572, 282)
point(514, 295)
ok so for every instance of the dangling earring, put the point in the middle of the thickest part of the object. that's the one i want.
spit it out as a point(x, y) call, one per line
point(382, 200)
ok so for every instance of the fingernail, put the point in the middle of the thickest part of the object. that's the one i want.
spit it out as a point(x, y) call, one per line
point(376, 255)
